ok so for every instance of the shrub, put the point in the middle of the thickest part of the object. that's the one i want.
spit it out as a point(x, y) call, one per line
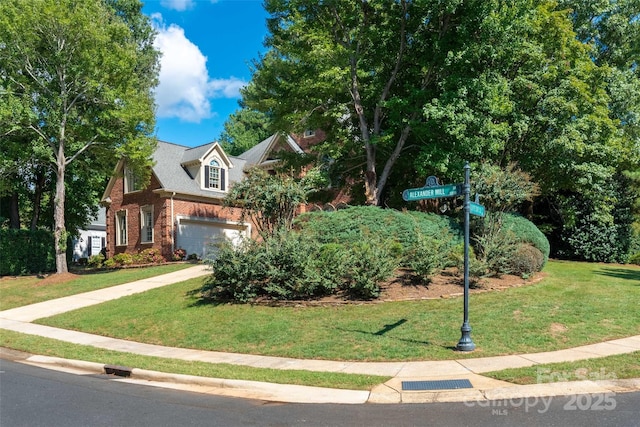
point(370, 263)
point(287, 266)
point(498, 236)
point(526, 260)
point(122, 259)
point(26, 252)
point(477, 268)
point(179, 254)
point(495, 244)
point(526, 231)
point(234, 276)
point(425, 257)
point(290, 266)
point(403, 230)
point(149, 256)
point(96, 261)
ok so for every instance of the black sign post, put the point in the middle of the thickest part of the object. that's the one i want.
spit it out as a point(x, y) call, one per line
point(466, 343)
point(433, 191)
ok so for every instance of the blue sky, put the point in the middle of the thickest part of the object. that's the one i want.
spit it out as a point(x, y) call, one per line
point(207, 48)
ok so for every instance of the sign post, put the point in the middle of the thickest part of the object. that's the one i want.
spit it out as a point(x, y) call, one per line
point(433, 191)
point(466, 343)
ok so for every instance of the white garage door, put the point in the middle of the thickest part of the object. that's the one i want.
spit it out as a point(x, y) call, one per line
point(199, 237)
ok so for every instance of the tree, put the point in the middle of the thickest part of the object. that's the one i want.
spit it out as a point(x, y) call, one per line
point(244, 129)
point(438, 82)
point(355, 69)
point(77, 78)
point(271, 200)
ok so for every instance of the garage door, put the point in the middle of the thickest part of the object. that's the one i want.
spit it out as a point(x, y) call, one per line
point(199, 237)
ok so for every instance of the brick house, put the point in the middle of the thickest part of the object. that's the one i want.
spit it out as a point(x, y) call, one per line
point(182, 205)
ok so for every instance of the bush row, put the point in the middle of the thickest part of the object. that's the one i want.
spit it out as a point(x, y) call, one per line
point(351, 252)
point(291, 266)
point(144, 257)
point(26, 252)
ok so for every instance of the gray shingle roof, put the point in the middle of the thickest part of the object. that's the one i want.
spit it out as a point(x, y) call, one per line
point(259, 153)
point(168, 159)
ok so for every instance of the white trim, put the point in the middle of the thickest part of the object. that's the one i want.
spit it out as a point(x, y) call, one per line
point(117, 215)
point(242, 226)
point(144, 226)
point(128, 176)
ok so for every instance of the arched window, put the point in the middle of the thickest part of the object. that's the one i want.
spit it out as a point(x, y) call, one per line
point(214, 177)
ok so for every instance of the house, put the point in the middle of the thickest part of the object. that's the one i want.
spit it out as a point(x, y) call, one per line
point(92, 239)
point(182, 207)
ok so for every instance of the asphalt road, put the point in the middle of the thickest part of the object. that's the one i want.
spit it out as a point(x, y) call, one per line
point(31, 396)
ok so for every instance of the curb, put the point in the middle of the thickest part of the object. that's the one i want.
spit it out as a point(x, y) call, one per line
point(286, 393)
point(289, 393)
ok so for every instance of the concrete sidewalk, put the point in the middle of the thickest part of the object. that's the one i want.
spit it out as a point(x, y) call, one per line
point(436, 375)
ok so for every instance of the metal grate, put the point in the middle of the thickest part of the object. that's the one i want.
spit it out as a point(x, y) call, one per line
point(436, 385)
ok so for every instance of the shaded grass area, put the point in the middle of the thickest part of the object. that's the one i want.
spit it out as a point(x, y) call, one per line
point(621, 366)
point(19, 291)
point(51, 347)
point(577, 304)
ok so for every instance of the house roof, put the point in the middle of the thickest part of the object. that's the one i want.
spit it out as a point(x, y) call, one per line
point(259, 154)
point(169, 159)
point(172, 161)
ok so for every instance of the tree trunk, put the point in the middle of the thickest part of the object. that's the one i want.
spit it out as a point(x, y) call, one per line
point(60, 234)
point(14, 211)
point(37, 197)
point(371, 178)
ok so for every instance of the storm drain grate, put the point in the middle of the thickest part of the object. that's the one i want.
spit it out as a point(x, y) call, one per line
point(436, 385)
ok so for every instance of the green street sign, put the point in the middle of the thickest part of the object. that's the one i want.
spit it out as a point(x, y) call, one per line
point(476, 209)
point(436, 192)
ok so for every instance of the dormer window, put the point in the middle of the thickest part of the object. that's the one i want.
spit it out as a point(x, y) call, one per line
point(214, 176)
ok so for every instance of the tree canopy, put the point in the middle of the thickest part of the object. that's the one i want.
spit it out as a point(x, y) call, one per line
point(408, 89)
point(244, 129)
point(76, 81)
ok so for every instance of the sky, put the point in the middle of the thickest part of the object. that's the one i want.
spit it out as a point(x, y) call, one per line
point(207, 47)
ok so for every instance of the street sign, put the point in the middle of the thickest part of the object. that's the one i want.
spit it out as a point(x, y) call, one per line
point(450, 190)
point(476, 209)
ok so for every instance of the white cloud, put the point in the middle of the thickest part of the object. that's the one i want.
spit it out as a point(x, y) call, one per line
point(226, 88)
point(185, 88)
point(179, 5)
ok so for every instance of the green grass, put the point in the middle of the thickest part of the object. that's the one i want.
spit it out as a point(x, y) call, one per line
point(19, 291)
point(51, 347)
point(577, 304)
point(606, 368)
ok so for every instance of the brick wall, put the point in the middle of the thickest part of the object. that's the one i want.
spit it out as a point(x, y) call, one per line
point(163, 231)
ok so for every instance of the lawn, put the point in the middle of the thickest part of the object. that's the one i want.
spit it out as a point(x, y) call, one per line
point(604, 368)
point(577, 304)
point(51, 347)
point(24, 290)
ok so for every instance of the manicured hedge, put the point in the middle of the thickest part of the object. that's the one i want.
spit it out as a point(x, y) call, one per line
point(352, 251)
point(26, 252)
point(527, 232)
point(408, 230)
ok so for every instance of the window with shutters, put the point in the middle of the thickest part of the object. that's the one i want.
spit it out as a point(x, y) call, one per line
point(214, 176)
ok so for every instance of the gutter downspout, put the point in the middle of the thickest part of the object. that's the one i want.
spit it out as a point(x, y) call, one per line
point(173, 237)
